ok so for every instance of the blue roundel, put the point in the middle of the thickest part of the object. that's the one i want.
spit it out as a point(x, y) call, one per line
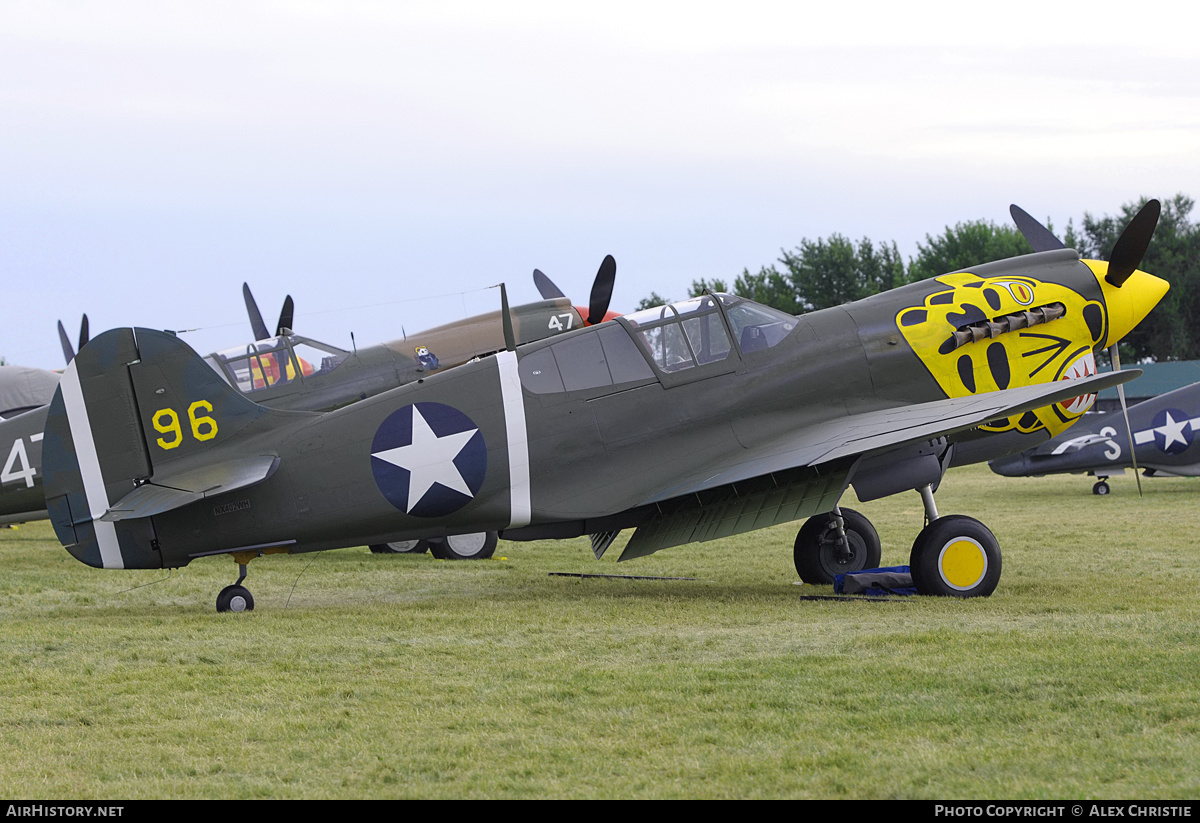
point(429, 459)
point(1172, 430)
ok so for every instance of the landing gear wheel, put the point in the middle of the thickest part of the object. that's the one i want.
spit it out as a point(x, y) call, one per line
point(235, 598)
point(819, 554)
point(1100, 488)
point(955, 556)
point(478, 546)
point(400, 547)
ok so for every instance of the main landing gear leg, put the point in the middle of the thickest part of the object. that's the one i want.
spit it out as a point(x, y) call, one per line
point(834, 543)
point(237, 598)
point(955, 555)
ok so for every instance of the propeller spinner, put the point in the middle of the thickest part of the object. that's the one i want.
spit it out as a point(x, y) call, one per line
point(1129, 293)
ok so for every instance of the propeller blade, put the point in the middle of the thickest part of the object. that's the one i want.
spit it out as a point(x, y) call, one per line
point(68, 352)
point(545, 286)
point(83, 332)
point(1132, 244)
point(286, 316)
point(256, 321)
point(1040, 237)
point(602, 289)
point(1116, 360)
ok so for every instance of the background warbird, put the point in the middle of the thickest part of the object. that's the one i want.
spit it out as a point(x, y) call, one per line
point(689, 422)
point(285, 370)
point(1163, 443)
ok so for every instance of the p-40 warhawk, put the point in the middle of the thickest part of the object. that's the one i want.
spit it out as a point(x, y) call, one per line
point(689, 422)
point(1164, 442)
point(292, 372)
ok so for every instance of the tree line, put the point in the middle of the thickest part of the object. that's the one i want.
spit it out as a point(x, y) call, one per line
point(830, 271)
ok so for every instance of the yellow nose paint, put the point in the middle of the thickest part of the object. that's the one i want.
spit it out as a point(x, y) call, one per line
point(962, 563)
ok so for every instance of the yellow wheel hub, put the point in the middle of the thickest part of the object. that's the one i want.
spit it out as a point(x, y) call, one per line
point(962, 563)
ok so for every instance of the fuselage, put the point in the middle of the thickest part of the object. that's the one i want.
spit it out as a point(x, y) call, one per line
point(608, 419)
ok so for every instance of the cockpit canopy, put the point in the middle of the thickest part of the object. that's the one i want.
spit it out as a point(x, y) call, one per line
point(691, 332)
point(274, 361)
point(672, 339)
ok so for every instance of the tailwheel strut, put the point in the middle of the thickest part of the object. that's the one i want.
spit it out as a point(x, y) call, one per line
point(237, 598)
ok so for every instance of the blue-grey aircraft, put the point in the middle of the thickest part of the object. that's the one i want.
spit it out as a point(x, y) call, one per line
point(1163, 443)
point(688, 422)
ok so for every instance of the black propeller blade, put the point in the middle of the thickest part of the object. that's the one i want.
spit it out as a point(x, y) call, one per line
point(68, 352)
point(545, 286)
point(602, 289)
point(1040, 237)
point(285, 317)
point(1132, 244)
point(256, 321)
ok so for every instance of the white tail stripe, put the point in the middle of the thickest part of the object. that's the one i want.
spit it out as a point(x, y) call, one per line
point(89, 468)
point(518, 438)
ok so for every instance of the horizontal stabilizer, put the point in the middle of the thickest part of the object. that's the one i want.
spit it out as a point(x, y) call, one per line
point(172, 491)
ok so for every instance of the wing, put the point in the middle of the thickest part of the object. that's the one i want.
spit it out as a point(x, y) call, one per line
point(804, 472)
point(878, 431)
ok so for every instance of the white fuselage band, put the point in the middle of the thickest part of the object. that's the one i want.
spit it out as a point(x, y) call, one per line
point(518, 438)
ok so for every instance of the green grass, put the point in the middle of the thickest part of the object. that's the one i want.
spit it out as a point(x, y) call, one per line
point(363, 675)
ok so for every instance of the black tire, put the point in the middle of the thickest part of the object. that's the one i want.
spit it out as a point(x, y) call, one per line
point(400, 547)
point(1100, 488)
point(235, 598)
point(955, 556)
point(477, 546)
point(818, 556)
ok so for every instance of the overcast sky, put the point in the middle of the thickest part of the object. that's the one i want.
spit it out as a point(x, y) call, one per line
point(385, 162)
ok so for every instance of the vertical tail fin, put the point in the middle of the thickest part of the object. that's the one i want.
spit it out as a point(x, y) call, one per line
point(140, 424)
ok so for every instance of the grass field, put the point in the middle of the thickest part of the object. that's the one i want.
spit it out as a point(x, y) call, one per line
point(364, 675)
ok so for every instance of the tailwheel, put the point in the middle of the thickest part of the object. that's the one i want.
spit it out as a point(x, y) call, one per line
point(477, 546)
point(821, 552)
point(235, 598)
point(400, 547)
point(955, 556)
point(1101, 486)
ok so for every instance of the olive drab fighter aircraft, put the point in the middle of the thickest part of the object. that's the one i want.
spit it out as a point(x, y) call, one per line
point(689, 422)
point(25, 394)
point(289, 371)
point(1163, 442)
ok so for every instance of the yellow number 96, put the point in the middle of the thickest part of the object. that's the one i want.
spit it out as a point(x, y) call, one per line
point(171, 426)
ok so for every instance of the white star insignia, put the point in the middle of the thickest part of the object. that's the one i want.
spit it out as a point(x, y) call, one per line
point(1172, 431)
point(429, 459)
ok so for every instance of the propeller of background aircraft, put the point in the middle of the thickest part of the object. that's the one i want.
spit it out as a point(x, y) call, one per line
point(601, 295)
point(286, 316)
point(68, 352)
point(1126, 256)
